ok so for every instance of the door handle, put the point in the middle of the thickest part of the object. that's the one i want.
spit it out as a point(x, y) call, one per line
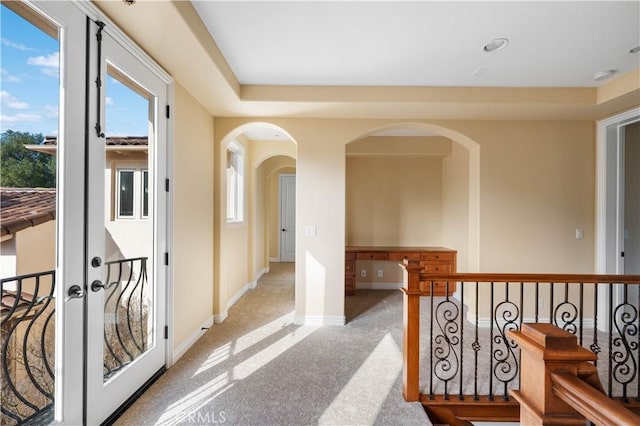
point(98, 285)
point(74, 292)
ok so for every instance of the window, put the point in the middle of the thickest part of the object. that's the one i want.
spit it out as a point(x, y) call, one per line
point(132, 195)
point(125, 193)
point(235, 182)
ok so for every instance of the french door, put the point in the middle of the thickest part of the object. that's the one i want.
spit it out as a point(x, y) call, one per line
point(125, 227)
point(110, 290)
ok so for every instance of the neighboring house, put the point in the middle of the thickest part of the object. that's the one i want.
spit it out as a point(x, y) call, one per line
point(128, 229)
point(28, 230)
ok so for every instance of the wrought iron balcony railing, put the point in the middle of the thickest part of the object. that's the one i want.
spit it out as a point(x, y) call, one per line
point(28, 335)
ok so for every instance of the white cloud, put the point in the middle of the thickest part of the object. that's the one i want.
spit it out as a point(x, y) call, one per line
point(8, 100)
point(19, 118)
point(50, 111)
point(14, 45)
point(7, 77)
point(109, 101)
point(50, 63)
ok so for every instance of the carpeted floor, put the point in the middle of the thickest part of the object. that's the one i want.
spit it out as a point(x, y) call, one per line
point(257, 368)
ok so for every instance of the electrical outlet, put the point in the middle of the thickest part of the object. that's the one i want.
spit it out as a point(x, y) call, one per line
point(380, 273)
point(363, 272)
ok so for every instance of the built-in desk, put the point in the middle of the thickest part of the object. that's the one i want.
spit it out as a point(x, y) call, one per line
point(435, 260)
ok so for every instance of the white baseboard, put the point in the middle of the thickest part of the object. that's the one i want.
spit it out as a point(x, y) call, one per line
point(319, 320)
point(378, 286)
point(192, 339)
point(219, 319)
point(274, 259)
point(260, 274)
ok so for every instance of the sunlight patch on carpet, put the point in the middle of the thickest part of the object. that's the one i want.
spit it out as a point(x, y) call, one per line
point(368, 387)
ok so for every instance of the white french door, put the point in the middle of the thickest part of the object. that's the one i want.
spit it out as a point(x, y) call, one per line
point(111, 278)
point(125, 232)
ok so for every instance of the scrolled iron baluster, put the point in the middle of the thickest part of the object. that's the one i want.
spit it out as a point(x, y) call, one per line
point(625, 367)
point(506, 368)
point(565, 315)
point(447, 361)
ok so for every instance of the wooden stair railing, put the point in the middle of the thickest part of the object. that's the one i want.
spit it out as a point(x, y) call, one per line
point(591, 403)
point(559, 386)
point(461, 362)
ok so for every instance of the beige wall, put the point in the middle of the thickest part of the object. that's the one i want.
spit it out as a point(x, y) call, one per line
point(193, 203)
point(455, 204)
point(36, 248)
point(394, 201)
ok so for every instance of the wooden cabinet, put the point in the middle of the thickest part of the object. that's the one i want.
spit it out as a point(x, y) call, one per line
point(434, 260)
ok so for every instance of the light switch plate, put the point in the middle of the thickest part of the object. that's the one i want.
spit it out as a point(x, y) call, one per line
point(310, 231)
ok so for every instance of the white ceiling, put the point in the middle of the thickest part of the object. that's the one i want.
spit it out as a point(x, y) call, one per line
point(423, 43)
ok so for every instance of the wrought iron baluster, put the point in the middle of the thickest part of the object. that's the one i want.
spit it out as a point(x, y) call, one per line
point(431, 376)
point(611, 321)
point(595, 347)
point(581, 322)
point(491, 344)
point(476, 348)
point(460, 395)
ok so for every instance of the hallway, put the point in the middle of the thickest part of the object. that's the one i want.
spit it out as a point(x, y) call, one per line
point(258, 368)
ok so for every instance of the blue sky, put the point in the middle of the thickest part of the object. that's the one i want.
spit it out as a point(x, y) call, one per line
point(29, 85)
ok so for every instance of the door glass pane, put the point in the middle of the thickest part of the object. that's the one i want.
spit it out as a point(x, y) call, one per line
point(28, 178)
point(129, 220)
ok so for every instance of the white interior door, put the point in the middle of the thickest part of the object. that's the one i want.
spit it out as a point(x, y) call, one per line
point(126, 231)
point(287, 217)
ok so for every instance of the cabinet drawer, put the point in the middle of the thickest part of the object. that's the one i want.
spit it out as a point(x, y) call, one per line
point(372, 255)
point(398, 255)
point(437, 256)
point(436, 267)
point(349, 268)
point(349, 256)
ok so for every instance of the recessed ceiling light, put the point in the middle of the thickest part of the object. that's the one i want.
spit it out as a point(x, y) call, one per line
point(603, 75)
point(496, 44)
point(635, 50)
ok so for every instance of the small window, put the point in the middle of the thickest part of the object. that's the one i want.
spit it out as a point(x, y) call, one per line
point(125, 193)
point(145, 193)
point(235, 182)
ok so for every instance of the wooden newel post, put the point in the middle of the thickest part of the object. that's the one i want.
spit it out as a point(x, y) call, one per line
point(547, 349)
point(411, 324)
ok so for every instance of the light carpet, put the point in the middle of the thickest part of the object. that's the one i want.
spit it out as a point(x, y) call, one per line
point(258, 368)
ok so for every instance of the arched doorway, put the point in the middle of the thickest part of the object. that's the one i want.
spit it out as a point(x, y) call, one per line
point(416, 185)
point(243, 242)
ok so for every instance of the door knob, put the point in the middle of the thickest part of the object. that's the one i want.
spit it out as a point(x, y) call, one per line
point(283, 230)
point(74, 292)
point(96, 285)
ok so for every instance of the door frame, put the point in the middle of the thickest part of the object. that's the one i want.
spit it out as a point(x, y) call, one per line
point(280, 213)
point(610, 202)
point(609, 190)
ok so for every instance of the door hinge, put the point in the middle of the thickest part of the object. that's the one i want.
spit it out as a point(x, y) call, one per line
point(622, 254)
point(166, 259)
point(166, 185)
point(168, 111)
point(166, 332)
